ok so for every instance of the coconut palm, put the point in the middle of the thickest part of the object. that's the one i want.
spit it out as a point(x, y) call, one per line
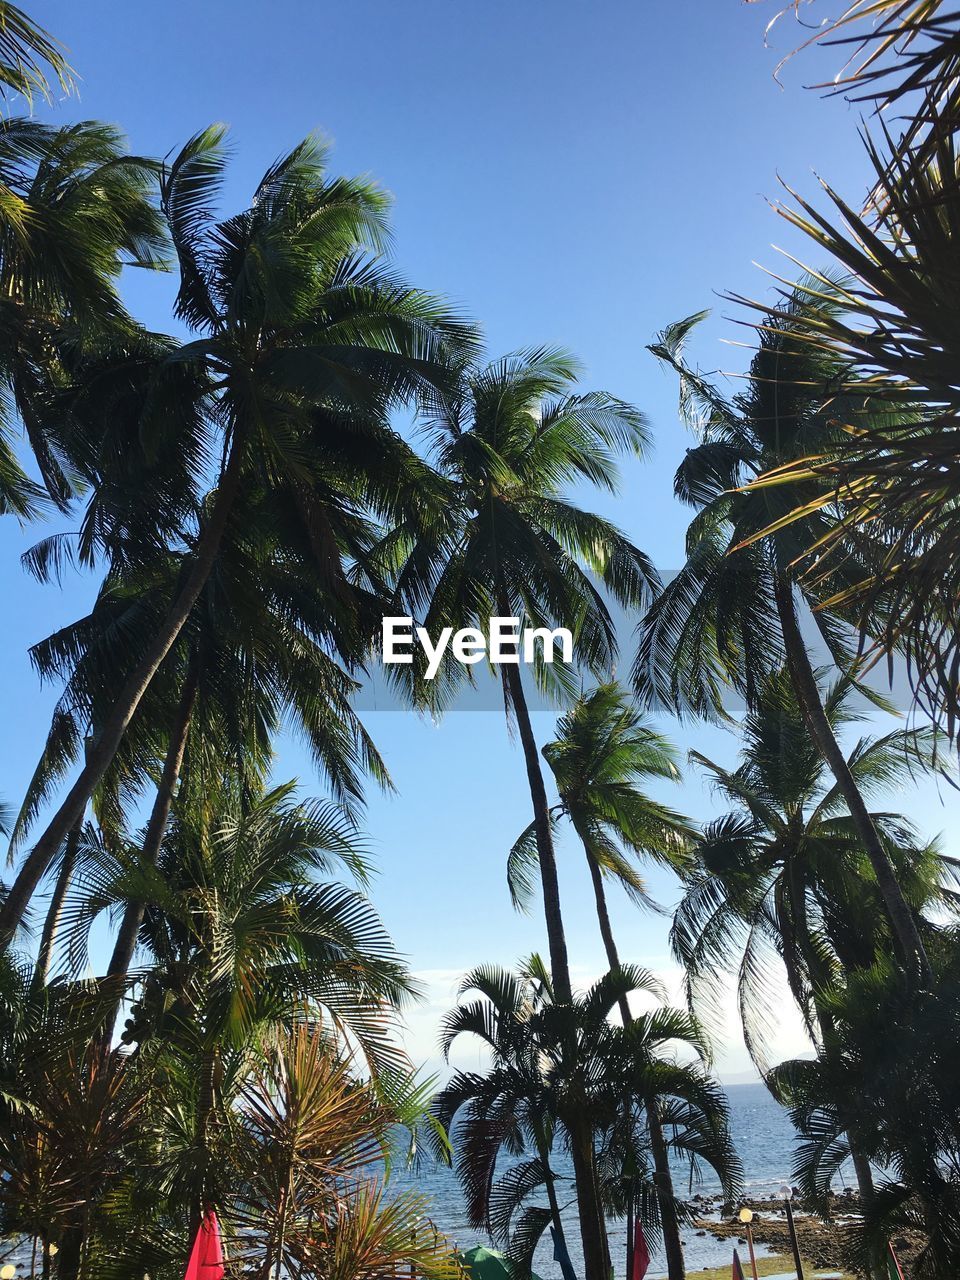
point(302, 346)
point(29, 56)
point(602, 755)
point(509, 444)
point(239, 931)
point(260, 649)
point(782, 889)
point(892, 478)
point(74, 208)
point(731, 616)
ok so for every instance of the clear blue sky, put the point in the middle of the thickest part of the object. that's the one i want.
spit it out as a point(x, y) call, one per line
point(569, 173)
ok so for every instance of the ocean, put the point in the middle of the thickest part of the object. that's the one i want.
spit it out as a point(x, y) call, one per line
point(764, 1139)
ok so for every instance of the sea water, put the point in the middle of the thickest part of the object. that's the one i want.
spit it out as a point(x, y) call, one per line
point(762, 1135)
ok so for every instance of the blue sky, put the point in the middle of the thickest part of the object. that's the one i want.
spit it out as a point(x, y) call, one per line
point(568, 173)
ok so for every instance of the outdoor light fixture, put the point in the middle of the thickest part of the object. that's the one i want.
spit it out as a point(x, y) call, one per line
point(746, 1217)
point(8, 1272)
point(786, 1195)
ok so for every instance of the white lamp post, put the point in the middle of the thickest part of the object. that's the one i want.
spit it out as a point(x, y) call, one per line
point(786, 1195)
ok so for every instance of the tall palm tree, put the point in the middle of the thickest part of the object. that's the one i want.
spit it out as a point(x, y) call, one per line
point(782, 889)
point(302, 346)
point(891, 477)
point(513, 544)
point(509, 444)
point(731, 615)
point(781, 882)
point(262, 647)
point(602, 755)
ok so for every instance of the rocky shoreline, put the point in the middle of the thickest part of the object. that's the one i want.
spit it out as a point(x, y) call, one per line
point(822, 1241)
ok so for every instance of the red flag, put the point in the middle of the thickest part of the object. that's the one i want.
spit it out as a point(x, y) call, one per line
point(206, 1260)
point(737, 1273)
point(641, 1255)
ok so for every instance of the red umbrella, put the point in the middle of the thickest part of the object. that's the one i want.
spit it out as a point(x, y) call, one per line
point(206, 1260)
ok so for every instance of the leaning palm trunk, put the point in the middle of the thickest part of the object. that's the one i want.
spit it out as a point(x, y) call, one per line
point(104, 749)
point(51, 924)
point(906, 936)
point(126, 941)
point(663, 1179)
point(590, 1209)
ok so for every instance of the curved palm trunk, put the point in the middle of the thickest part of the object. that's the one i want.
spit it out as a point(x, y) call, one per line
point(51, 924)
point(672, 1243)
point(124, 708)
point(126, 941)
point(592, 1226)
point(906, 936)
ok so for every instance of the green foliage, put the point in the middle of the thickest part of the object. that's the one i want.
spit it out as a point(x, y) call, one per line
point(780, 890)
point(550, 1061)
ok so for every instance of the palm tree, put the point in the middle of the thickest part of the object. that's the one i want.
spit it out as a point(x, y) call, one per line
point(260, 649)
point(602, 754)
point(525, 1102)
point(28, 56)
point(511, 1109)
point(239, 931)
point(730, 617)
point(242, 938)
point(782, 888)
point(895, 1092)
point(513, 545)
point(891, 476)
point(781, 881)
point(74, 208)
point(302, 347)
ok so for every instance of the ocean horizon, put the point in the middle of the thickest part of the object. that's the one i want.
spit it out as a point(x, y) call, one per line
point(764, 1139)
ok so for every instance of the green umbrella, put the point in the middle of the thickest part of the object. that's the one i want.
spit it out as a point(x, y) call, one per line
point(488, 1264)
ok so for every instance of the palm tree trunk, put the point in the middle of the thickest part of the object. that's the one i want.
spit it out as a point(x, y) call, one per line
point(559, 962)
point(592, 1226)
point(206, 1100)
point(126, 941)
point(51, 924)
point(906, 936)
point(663, 1178)
point(124, 708)
point(550, 1183)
